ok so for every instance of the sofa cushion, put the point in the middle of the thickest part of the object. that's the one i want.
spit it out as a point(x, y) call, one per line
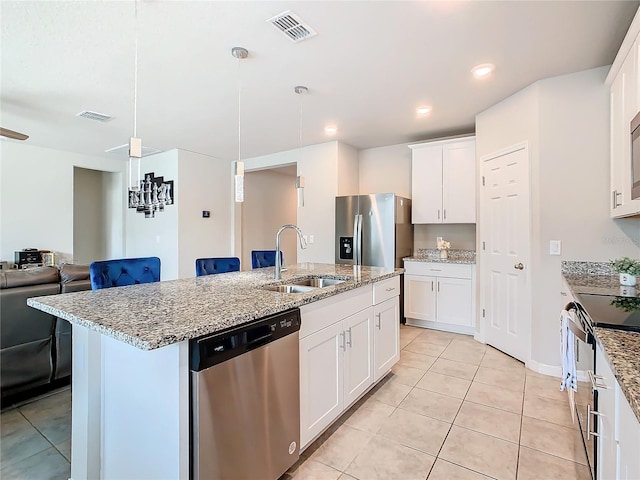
point(28, 277)
point(70, 272)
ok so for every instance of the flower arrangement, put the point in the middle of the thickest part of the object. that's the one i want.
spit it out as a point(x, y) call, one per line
point(626, 265)
point(444, 245)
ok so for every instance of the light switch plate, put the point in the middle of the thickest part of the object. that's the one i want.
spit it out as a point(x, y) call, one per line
point(555, 247)
point(312, 239)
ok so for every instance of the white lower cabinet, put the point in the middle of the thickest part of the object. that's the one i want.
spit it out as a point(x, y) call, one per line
point(605, 418)
point(347, 344)
point(386, 333)
point(618, 428)
point(357, 345)
point(440, 296)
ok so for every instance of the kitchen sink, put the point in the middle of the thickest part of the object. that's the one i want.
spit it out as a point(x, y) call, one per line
point(319, 282)
point(289, 288)
point(304, 285)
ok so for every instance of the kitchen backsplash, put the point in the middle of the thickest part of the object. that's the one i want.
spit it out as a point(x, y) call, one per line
point(587, 268)
point(461, 236)
point(453, 254)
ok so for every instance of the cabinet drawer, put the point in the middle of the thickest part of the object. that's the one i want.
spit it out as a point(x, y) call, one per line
point(452, 270)
point(318, 315)
point(386, 289)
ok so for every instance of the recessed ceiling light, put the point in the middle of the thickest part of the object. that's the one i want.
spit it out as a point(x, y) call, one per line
point(423, 110)
point(330, 129)
point(483, 70)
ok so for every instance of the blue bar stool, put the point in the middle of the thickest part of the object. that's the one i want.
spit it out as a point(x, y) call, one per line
point(124, 271)
point(211, 266)
point(264, 258)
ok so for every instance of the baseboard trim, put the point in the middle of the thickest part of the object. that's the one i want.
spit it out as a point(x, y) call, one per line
point(553, 370)
point(444, 327)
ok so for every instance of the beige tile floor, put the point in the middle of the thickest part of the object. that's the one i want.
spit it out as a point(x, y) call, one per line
point(35, 438)
point(452, 408)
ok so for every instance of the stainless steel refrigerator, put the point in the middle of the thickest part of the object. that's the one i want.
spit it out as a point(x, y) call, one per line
point(373, 230)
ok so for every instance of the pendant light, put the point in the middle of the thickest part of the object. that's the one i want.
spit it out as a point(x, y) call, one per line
point(135, 144)
point(300, 90)
point(240, 53)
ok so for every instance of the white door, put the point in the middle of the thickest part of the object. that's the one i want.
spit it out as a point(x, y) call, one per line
point(321, 374)
point(358, 360)
point(454, 301)
point(420, 297)
point(386, 334)
point(505, 231)
point(459, 182)
point(426, 184)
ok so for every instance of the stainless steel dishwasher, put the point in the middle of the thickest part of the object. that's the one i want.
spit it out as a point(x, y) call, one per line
point(245, 400)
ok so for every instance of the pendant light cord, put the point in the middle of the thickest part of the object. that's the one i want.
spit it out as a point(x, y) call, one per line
point(135, 71)
point(239, 110)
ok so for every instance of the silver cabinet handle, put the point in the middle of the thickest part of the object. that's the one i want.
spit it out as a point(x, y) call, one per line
point(589, 413)
point(390, 289)
point(438, 285)
point(615, 199)
point(438, 214)
point(342, 344)
point(444, 213)
point(435, 269)
point(564, 294)
point(594, 380)
point(379, 315)
point(519, 266)
point(349, 342)
point(432, 285)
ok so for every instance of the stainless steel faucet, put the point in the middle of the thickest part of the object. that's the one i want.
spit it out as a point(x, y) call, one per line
point(303, 245)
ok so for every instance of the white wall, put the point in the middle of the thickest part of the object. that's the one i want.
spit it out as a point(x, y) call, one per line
point(90, 232)
point(36, 199)
point(205, 185)
point(270, 201)
point(386, 170)
point(158, 236)
point(565, 120)
point(330, 169)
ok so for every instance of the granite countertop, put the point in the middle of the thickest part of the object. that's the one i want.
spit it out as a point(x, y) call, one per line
point(153, 315)
point(432, 255)
point(622, 348)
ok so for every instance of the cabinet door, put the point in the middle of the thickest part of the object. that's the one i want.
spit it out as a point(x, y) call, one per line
point(459, 182)
point(420, 297)
point(321, 377)
point(426, 184)
point(618, 135)
point(358, 355)
point(607, 446)
point(454, 301)
point(628, 440)
point(386, 335)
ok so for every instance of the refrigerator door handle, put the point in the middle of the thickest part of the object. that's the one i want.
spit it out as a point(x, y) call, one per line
point(358, 240)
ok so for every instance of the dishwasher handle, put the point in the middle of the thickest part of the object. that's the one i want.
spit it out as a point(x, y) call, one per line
point(258, 342)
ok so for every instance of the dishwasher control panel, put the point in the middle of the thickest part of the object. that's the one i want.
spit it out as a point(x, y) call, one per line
point(212, 349)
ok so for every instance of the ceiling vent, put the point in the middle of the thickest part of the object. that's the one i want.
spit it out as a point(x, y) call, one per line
point(124, 149)
point(99, 117)
point(292, 26)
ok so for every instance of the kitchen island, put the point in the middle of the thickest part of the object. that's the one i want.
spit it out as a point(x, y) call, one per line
point(130, 391)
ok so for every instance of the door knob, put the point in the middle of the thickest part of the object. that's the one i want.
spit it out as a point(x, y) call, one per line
point(519, 266)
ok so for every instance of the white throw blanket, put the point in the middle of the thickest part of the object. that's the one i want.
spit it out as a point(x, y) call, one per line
point(568, 349)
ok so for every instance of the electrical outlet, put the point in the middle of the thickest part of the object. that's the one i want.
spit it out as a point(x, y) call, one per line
point(312, 239)
point(555, 247)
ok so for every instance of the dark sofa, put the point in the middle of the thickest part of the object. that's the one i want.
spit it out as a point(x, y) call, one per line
point(35, 347)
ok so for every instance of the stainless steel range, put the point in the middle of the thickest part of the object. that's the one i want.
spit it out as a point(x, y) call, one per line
point(602, 311)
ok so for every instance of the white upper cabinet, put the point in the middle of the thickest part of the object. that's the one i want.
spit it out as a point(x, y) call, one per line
point(443, 181)
point(624, 81)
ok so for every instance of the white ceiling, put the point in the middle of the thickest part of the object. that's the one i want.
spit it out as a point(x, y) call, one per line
point(371, 64)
